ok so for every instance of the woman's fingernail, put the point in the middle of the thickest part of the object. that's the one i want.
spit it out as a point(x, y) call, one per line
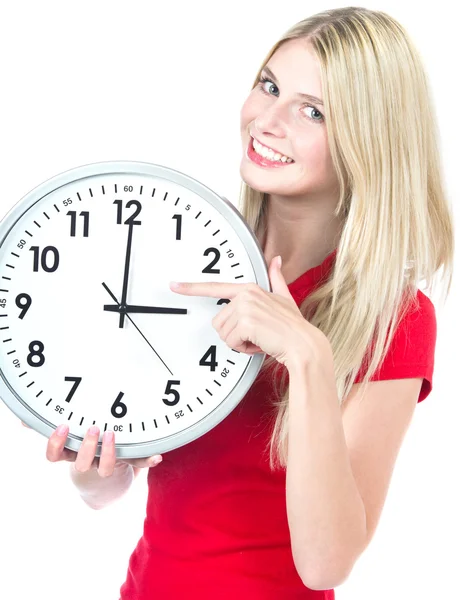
point(156, 459)
point(108, 437)
point(62, 430)
point(174, 284)
point(94, 430)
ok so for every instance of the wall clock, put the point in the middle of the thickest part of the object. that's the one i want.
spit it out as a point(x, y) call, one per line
point(91, 334)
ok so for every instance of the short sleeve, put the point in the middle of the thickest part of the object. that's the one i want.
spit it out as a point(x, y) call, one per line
point(412, 351)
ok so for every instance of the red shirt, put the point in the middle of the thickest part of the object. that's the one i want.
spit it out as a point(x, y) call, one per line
point(216, 526)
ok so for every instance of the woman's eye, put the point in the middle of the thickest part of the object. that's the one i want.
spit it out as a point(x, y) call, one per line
point(265, 81)
point(315, 119)
point(315, 110)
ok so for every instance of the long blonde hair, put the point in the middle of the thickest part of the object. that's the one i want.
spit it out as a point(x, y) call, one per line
point(398, 226)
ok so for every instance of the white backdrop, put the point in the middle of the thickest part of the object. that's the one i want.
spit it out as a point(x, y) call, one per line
point(83, 82)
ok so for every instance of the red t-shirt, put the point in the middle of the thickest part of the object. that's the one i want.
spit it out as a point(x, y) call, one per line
point(216, 525)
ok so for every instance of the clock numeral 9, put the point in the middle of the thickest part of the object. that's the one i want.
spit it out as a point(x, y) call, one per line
point(132, 217)
point(217, 255)
point(44, 255)
point(85, 214)
point(36, 353)
point(23, 305)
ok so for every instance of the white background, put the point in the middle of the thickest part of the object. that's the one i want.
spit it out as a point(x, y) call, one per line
point(163, 82)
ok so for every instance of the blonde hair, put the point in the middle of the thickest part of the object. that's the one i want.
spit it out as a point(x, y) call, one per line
point(397, 223)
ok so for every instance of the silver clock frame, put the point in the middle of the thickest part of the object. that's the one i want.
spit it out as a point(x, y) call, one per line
point(137, 450)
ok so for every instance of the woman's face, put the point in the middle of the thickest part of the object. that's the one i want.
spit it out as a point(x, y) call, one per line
point(294, 126)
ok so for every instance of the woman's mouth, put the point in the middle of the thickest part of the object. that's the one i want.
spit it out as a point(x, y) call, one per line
point(262, 157)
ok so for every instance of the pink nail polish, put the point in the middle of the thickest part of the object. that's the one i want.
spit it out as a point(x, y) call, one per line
point(62, 430)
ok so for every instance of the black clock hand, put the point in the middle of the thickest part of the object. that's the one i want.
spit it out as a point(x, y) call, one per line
point(132, 308)
point(126, 273)
point(129, 317)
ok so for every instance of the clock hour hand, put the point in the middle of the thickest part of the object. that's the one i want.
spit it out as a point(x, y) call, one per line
point(133, 308)
point(136, 327)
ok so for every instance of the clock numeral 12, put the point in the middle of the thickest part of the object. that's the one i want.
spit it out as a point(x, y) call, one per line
point(132, 217)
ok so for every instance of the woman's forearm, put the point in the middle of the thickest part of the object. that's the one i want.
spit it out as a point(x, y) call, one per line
point(326, 514)
point(98, 492)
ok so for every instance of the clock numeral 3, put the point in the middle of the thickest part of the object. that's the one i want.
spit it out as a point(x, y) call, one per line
point(169, 390)
point(211, 353)
point(44, 255)
point(38, 353)
point(209, 268)
point(132, 217)
point(85, 214)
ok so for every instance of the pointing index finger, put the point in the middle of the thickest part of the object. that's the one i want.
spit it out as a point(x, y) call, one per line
point(214, 289)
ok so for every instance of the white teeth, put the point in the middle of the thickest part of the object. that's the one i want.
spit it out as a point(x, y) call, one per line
point(269, 154)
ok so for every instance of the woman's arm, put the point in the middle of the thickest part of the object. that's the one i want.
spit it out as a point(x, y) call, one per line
point(98, 492)
point(326, 514)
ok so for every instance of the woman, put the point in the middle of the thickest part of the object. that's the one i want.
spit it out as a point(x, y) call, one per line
point(352, 200)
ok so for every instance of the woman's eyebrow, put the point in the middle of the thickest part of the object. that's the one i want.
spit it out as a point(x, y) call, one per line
point(313, 99)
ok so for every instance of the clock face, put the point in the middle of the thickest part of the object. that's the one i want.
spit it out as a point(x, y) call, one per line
point(69, 353)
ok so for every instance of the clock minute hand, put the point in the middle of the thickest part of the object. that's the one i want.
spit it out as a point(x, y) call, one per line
point(126, 273)
point(133, 308)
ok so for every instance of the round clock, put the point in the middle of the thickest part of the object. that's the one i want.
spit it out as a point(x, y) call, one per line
point(91, 333)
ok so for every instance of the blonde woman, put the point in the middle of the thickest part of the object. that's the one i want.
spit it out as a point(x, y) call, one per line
point(341, 179)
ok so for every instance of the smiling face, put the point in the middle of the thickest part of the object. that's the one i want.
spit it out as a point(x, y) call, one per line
point(276, 114)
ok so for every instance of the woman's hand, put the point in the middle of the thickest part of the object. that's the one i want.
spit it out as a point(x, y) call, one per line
point(258, 321)
point(85, 459)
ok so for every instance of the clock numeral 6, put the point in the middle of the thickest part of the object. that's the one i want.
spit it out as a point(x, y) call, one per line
point(36, 353)
point(44, 255)
point(119, 409)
